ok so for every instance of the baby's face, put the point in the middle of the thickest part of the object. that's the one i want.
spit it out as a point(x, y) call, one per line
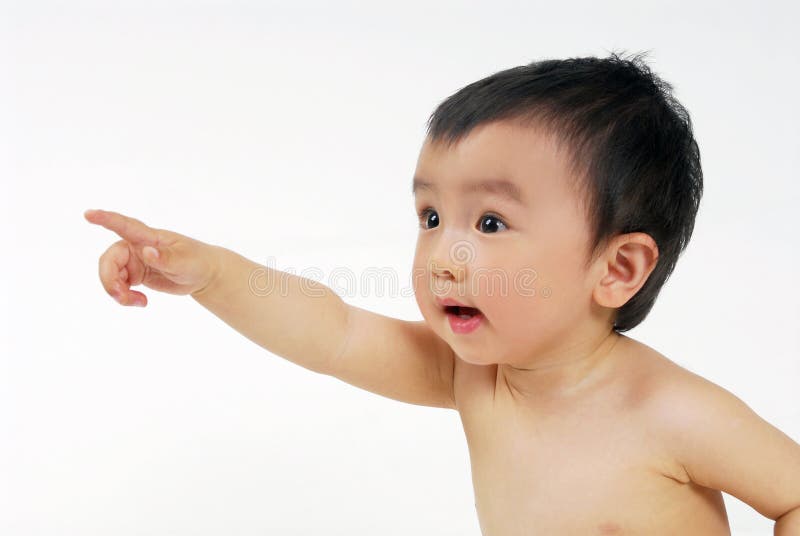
point(520, 262)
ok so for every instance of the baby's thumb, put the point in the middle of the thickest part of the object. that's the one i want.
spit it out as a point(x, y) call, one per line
point(155, 257)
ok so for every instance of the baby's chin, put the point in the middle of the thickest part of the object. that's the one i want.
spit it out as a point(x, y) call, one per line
point(470, 348)
point(486, 350)
point(478, 360)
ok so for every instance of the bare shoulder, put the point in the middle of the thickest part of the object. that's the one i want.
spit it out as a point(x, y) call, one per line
point(721, 443)
point(672, 392)
point(664, 381)
point(677, 393)
point(677, 402)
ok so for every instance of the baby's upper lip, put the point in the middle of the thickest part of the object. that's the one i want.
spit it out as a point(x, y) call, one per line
point(444, 302)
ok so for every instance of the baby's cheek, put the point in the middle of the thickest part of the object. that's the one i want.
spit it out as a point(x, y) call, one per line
point(521, 312)
point(418, 278)
point(513, 310)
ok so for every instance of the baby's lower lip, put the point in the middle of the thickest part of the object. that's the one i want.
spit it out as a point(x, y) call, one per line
point(464, 325)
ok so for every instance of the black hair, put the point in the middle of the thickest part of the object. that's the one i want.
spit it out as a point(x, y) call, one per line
point(629, 144)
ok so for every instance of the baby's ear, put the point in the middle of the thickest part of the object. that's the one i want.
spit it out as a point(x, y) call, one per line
point(626, 265)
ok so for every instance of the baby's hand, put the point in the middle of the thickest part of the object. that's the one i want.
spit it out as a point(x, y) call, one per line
point(183, 265)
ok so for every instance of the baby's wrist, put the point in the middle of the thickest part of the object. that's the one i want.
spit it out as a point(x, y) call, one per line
point(216, 259)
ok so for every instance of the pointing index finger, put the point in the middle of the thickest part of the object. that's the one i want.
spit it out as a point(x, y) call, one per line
point(128, 228)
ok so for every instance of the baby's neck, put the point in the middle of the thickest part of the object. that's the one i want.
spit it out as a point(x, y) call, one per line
point(565, 375)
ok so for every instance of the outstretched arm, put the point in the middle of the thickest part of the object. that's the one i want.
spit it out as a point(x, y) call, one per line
point(307, 323)
point(294, 317)
point(398, 359)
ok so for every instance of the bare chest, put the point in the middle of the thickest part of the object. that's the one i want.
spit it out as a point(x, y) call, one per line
point(588, 470)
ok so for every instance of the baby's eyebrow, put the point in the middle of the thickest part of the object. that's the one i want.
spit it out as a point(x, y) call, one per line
point(502, 187)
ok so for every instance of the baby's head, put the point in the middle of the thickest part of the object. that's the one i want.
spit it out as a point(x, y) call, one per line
point(556, 198)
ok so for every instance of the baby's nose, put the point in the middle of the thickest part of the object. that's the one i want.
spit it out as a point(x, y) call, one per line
point(451, 259)
point(448, 271)
point(441, 271)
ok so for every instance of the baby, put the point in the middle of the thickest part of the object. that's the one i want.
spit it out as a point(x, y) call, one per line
point(554, 200)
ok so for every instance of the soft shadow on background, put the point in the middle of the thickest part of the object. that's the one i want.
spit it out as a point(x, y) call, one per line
point(290, 135)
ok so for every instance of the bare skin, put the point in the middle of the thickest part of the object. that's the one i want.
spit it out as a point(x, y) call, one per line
point(572, 428)
point(588, 463)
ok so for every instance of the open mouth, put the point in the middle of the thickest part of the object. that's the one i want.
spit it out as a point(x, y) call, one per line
point(462, 319)
point(461, 312)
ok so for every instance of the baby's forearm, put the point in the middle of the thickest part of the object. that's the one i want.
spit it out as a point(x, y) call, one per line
point(294, 317)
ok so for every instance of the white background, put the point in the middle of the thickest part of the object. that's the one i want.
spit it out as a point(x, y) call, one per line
point(292, 133)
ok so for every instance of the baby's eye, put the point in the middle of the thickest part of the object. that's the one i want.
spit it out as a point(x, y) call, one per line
point(489, 223)
point(427, 217)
